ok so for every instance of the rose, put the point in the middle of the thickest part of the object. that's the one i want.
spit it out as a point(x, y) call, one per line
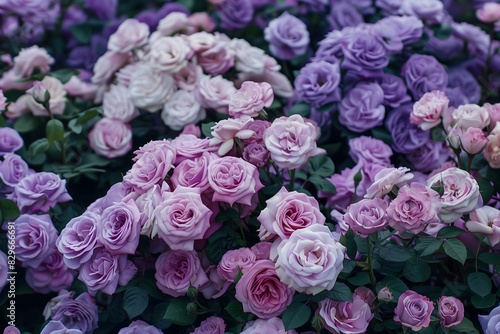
point(364, 53)
point(451, 311)
point(398, 31)
point(117, 104)
point(177, 270)
point(489, 13)
point(168, 54)
point(470, 115)
point(492, 149)
point(485, 220)
point(460, 193)
point(262, 250)
point(211, 325)
point(249, 59)
point(104, 271)
point(140, 327)
point(414, 208)
point(258, 127)
point(494, 113)
point(147, 203)
point(365, 294)
point(385, 294)
point(317, 83)
point(107, 65)
point(214, 92)
point(119, 228)
point(386, 179)
point(361, 109)
point(57, 327)
point(235, 260)
point(344, 183)
point(226, 131)
point(13, 169)
point(182, 218)
point(261, 292)
point(78, 239)
point(150, 89)
point(80, 313)
point(111, 138)
point(10, 140)
point(233, 180)
point(429, 10)
point(51, 275)
point(394, 88)
point(370, 150)
point(39, 92)
point(131, 34)
point(189, 146)
point(405, 137)
point(250, 99)
point(30, 59)
point(236, 14)
point(491, 323)
point(473, 141)
point(274, 325)
point(39, 192)
point(174, 22)
point(182, 109)
point(201, 21)
point(188, 77)
point(287, 36)
point(310, 260)
point(57, 101)
point(367, 216)
point(256, 154)
point(345, 317)
point(424, 74)
point(291, 141)
point(193, 173)
point(218, 58)
point(287, 212)
point(428, 110)
point(342, 14)
point(413, 310)
point(78, 88)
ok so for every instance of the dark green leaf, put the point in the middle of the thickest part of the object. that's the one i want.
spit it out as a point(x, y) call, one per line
point(428, 246)
point(26, 123)
point(486, 189)
point(81, 32)
point(438, 135)
point(38, 146)
point(479, 283)
point(321, 165)
point(449, 232)
point(8, 209)
point(206, 129)
point(483, 302)
point(361, 278)
point(73, 126)
point(417, 271)
point(396, 286)
point(442, 31)
point(300, 108)
point(466, 326)
point(382, 134)
point(490, 258)
point(295, 315)
point(394, 253)
point(322, 184)
point(88, 115)
point(340, 292)
point(63, 75)
point(456, 250)
point(177, 312)
point(157, 316)
point(235, 310)
point(54, 130)
point(135, 301)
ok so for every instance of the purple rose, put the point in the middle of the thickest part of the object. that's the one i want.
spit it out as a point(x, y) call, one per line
point(78, 239)
point(413, 310)
point(104, 10)
point(345, 317)
point(119, 228)
point(361, 109)
point(367, 216)
point(429, 156)
point(424, 74)
point(343, 14)
point(370, 150)
point(451, 311)
point(317, 83)
point(51, 275)
point(400, 30)
point(236, 14)
point(57, 327)
point(193, 172)
point(491, 323)
point(406, 137)
point(211, 325)
point(80, 313)
point(447, 49)
point(395, 91)
point(344, 183)
point(234, 260)
point(10, 141)
point(273, 325)
point(330, 48)
point(35, 239)
point(111, 138)
point(256, 154)
point(104, 272)
point(287, 36)
point(463, 87)
point(140, 327)
point(13, 169)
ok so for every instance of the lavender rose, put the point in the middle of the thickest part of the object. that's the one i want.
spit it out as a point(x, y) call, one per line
point(131, 34)
point(395, 91)
point(273, 325)
point(491, 323)
point(287, 36)
point(57, 327)
point(256, 154)
point(370, 150)
point(117, 104)
point(51, 275)
point(236, 14)
point(367, 216)
point(413, 310)
point(10, 140)
point(405, 137)
point(211, 325)
point(111, 138)
point(424, 74)
point(345, 317)
point(233, 260)
point(140, 327)
point(80, 313)
point(317, 83)
point(181, 110)
point(451, 311)
point(13, 169)
point(429, 156)
point(193, 173)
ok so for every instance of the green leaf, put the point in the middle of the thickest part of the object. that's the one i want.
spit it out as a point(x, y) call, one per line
point(8, 209)
point(442, 31)
point(26, 123)
point(382, 134)
point(81, 32)
point(393, 253)
point(295, 315)
point(489, 258)
point(417, 271)
point(456, 250)
point(157, 316)
point(486, 189)
point(64, 75)
point(177, 312)
point(479, 283)
point(206, 129)
point(38, 146)
point(438, 135)
point(300, 108)
point(361, 278)
point(321, 165)
point(449, 232)
point(88, 115)
point(466, 326)
point(340, 292)
point(428, 246)
point(54, 130)
point(235, 310)
point(396, 286)
point(483, 302)
point(322, 184)
point(135, 301)
point(73, 126)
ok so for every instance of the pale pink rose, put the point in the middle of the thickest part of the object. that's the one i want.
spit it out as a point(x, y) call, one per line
point(250, 99)
point(188, 77)
point(385, 294)
point(248, 58)
point(150, 89)
point(460, 193)
point(107, 65)
point(217, 58)
point(414, 208)
point(10, 81)
point(202, 41)
point(291, 141)
point(489, 13)
point(125, 73)
point(345, 317)
point(111, 138)
point(57, 101)
point(211, 325)
point(485, 220)
point(191, 129)
point(261, 292)
point(470, 115)
point(79, 88)
point(39, 92)
point(182, 109)
point(287, 212)
point(214, 93)
point(18, 108)
point(117, 104)
point(173, 23)
point(233, 180)
point(3, 101)
point(182, 218)
point(262, 250)
point(365, 294)
point(226, 131)
point(473, 141)
point(310, 260)
point(233, 260)
point(386, 179)
point(168, 54)
point(258, 126)
point(413, 310)
point(494, 112)
point(193, 172)
point(451, 311)
point(216, 285)
point(177, 270)
point(428, 110)
point(366, 216)
point(492, 150)
point(30, 59)
point(147, 203)
point(201, 21)
point(189, 146)
point(131, 34)
point(261, 326)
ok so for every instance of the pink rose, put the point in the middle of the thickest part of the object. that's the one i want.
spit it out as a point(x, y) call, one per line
point(256, 154)
point(489, 13)
point(107, 65)
point(147, 203)
point(188, 77)
point(214, 93)
point(111, 138)
point(365, 294)
point(310, 260)
point(233, 180)
point(262, 250)
point(168, 54)
point(428, 110)
point(287, 212)
point(494, 112)
point(189, 146)
point(193, 173)
point(250, 99)
point(18, 108)
point(345, 317)
point(140, 327)
point(57, 101)
point(470, 115)
point(460, 193)
point(367, 216)
point(217, 59)
point(211, 325)
point(172, 23)
point(451, 311)
point(177, 270)
point(386, 179)
point(79, 88)
point(3, 101)
point(182, 218)
point(258, 126)
point(225, 131)
point(291, 141)
point(261, 292)
point(233, 260)
point(117, 104)
point(492, 149)
point(385, 294)
point(30, 59)
point(473, 141)
point(485, 220)
point(415, 207)
point(131, 34)
point(413, 310)
point(261, 326)
point(191, 129)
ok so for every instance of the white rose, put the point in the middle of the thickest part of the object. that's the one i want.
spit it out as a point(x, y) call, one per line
point(131, 34)
point(117, 104)
point(107, 65)
point(168, 54)
point(248, 58)
point(57, 101)
point(214, 92)
point(471, 115)
point(182, 109)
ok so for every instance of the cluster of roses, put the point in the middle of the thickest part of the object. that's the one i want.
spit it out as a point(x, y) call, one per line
point(178, 69)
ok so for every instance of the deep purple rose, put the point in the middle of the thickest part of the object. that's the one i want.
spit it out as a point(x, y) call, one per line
point(317, 83)
point(463, 87)
point(330, 48)
point(406, 137)
point(424, 74)
point(343, 14)
point(370, 150)
point(80, 313)
point(395, 91)
point(103, 10)
point(287, 36)
point(429, 156)
point(10, 141)
point(236, 14)
point(51, 275)
point(446, 49)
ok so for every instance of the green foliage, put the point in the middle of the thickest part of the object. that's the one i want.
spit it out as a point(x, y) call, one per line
point(296, 315)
